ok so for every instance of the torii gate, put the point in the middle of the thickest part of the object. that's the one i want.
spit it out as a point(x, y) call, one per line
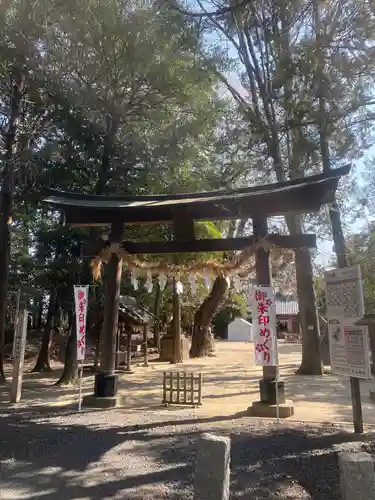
point(294, 197)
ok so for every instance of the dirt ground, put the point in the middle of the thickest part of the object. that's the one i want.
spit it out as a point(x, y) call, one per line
point(149, 455)
point(49, 451)
point(230, 385)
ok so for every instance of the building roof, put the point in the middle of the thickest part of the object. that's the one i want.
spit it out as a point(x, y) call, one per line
point(297, 196)
point(133, 312)
point(286, 307)
point(240, 320)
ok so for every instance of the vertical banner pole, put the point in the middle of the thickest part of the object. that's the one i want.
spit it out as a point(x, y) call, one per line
point(80, 300)
point(277, 382)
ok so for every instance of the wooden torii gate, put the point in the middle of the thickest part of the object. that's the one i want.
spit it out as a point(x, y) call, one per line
point(298, 196)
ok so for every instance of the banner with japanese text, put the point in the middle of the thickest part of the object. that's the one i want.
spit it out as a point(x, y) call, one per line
point(80, 300)
point(263, 313)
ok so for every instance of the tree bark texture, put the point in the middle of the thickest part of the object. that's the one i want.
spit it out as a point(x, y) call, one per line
point(6, 201)
point(70, 372)
point(202, 341)
point(43, 363)
point(311, 350)
point(311, 354)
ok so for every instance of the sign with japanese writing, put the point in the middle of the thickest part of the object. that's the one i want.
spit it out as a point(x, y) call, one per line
point(349, 344)
point(80, 300)
point(263, 313)
point(344, 294)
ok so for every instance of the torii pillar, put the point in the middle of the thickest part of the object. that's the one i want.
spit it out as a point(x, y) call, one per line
point(266, 406)
point(106, 381)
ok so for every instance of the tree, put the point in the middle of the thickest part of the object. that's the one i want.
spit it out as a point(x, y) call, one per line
point(110, 123)
point(202, 339)
point(362, 251)
point(23, 117)
point(278, 55)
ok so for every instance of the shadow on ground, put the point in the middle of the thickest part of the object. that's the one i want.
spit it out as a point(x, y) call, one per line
point(114, 455)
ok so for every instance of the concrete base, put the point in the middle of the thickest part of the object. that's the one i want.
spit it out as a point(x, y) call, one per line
point(268, 391)
point(372, 395)
point(259, 409)
point(106, 385)
point(104, 403)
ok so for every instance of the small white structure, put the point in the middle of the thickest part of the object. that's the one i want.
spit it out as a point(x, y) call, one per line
point(240, 330)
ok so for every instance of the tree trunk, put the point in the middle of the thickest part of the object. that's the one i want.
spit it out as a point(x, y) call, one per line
point(43, 363)
point(2, 373)
point(311, 355)
point(202, 342)
point(6, 202)
point(157, 303)
point(39, 320)
point(311, 352)
point(57, 315)
point(70, 372)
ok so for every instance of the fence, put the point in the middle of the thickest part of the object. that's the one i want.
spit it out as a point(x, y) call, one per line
point(182, 388)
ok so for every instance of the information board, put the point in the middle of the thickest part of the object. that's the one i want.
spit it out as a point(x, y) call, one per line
point(349, 345)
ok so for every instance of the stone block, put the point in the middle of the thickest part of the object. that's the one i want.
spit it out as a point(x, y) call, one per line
point(260, 409)
point(212, 468)
point(93, 401)
point(357, 477)
point(268, 391)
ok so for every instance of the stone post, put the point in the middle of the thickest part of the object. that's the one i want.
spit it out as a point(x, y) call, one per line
point(212, 468)
point(357, 477)
point(19, 356)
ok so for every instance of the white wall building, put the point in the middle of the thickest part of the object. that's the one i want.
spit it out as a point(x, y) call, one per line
point(240, 330)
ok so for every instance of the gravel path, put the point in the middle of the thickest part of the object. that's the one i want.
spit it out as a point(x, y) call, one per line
point(149, 455)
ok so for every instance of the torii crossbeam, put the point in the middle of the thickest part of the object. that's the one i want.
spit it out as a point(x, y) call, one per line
point(299, 196)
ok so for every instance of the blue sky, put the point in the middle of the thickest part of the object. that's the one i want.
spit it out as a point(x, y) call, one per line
point(325, 246)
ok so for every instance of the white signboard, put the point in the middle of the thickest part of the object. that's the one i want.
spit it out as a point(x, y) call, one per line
point(80, 300)
point(349, 345)
point(263, 312)
point(344, 293)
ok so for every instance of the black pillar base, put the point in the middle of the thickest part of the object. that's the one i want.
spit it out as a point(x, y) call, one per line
point(268, 391)
point(106, 385)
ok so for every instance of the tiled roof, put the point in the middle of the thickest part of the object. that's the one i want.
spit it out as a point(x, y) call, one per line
point(287, 307)
point(129, 306)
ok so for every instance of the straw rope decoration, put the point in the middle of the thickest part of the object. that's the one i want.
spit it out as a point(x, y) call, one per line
point(211, 267)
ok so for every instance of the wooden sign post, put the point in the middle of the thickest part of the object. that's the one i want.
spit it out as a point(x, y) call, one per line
point(19, 356)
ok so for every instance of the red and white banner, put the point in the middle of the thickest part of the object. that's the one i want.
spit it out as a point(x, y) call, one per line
point(263, 314)
point(80, 300)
